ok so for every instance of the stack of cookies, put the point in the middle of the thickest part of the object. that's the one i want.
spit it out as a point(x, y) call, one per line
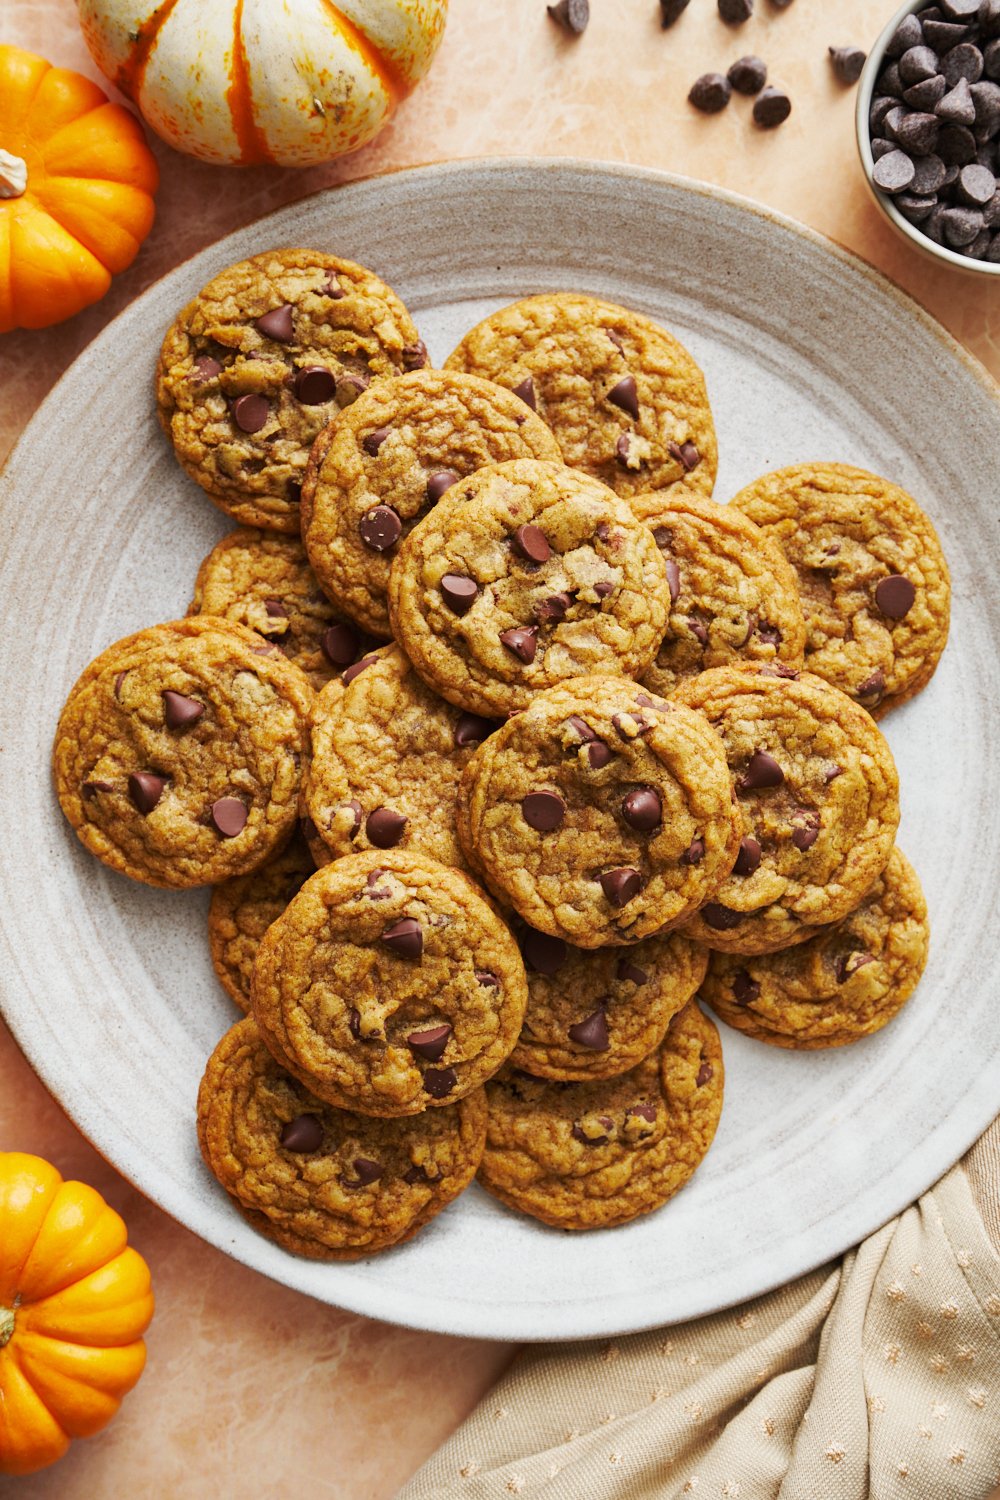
point(501, 741)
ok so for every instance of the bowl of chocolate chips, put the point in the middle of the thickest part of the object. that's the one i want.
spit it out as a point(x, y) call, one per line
point(929, 129)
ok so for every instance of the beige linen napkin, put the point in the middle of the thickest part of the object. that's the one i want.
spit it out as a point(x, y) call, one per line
point(877, 1378)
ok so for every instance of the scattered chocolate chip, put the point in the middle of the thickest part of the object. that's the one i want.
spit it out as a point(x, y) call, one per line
point(368, 1171)
point(488, 979)
point(180, 712)
point(418, 1173)
point(303, 1134)
point(459, 592)
point(372, 441)
point(439, 1082)
point(735, 12)
point(625, 396)
point(314, 385)
point(621, 886)
point(357, 813)
point(571, 15)
point(720, 918)
point(630, 726)
point(698, 629)
point(849, 963)
point(293, 491)
point(847, 63)
point(673, 578)
point(250, 413)
point(380, 528)
point(552, 610)
point(472, 729)
point(277, 325)
point(671, 11)
point(710, 93)
point(762, 771)
point(705, 1074)
point(604, 589)
point(275, 609)
point(543, 811)
point(521, 642)
point(355, 671)
point(530, 542)
point(895, 596)
point(871, 689)
point(604, 1123)
point(694, 853)
point(630, 973)
point(339, 643)
point(526, 391)
point(229, 816)
point(205, 369)
point(748, 75)
point(748, 859)
point(145, 789)
point(430, 1043)
point(543, 953)
point(90, 789)
point(645, 1112)
point(404, 937)
point(686, 454)
point(591, 1033)
point(745, 989)
point(415, 356)
point(384, 827)
point(598, 754)
point(439, 482)
point(642, 809)
point(771, 108)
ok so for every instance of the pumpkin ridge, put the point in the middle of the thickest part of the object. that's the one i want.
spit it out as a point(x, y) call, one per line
point(130, 75)
point(391, 78)
point(239, 97)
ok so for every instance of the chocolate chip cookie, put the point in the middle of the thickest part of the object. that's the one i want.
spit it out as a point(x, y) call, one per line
point(389, 985)
point(386, 764)
point(626, 401)
point(593, 1155)
point(594, 1014)
point(178, 756)
point(321, 1182)
point(873, 579)
point(733, 596)
point(243, 909)
point(819, 796)
point(386, 460)
point(523, 575)
point(601, 813)
point(263, 580)
point(845, 983)
point(259, 362)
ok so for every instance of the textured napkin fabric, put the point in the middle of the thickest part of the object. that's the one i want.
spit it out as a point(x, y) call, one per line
point(877, 1378)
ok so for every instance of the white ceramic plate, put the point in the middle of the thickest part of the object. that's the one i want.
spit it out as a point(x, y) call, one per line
point(808, 353)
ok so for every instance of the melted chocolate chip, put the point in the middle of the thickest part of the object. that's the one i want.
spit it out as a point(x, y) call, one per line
point(145, 789)
point(277, 325)
point(385, 827)
point(895, 596)
point(642, 809)
point(250, 413)
point(762, 772)
point(439, 483)
point(521, 642)
point(340, 643)
point(229, 816)
point(591, 1033)
point(431, 1043)
point(531, 543)
point(745, 989)
point(380, 528)
point(694, 853)
point(625, 396)
point(472, 729)
point(372, 441)
point(621, 885)
point(180, 712)
point(459, 592)
point(356, 670)
point(314, 385)
point(439, 1082)
point(526, 392)
point(748, 859)
point(303, 1134)
point(405, 938)
point(630, 973)
point(543, 811)
point(720, 918)
point(542, 953)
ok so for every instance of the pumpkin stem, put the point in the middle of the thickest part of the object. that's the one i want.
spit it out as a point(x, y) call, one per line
point(13, 182)
point(6, 1325)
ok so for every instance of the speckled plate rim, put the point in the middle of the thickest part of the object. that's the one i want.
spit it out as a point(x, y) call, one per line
point(559, 1319)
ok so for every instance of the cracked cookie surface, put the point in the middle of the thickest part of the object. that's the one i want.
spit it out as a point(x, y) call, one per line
point(389, 985)
point(593, 1155)
point(733, 595)
point(598, 1013)
point(625, 399)
point(321, 1182)
point(178, 756)
point(819, 796)
point(873, 580)
point(258, 363)
point(843, 984)
point(386, 461)
point(601, 813)
point(263, 580)
point(524, 575)
point(242, 909)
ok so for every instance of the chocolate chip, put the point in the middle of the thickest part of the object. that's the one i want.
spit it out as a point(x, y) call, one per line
point(368, 1171)
point(205, 368)
point(917, 63)
point(472, 729)
point(293, 491)
point(961, 225)
point(357, 813)
point(767, 633)
point(543, 953)
point(976, 185)
point(372, 441)
point(913, 208)
point(552, 610)
point(771, 108)
point(404, 937)
point(277, 325)
point(847, 63)
point(735, 12)
point(671, 11)
point(928, 174)
point(956, 146)
point(604, 590)
point(314, 385)
point(872, 688)
point(895, 596)
point(229, 816)
point(645, 1112)
point(698, 629)
point(530, 542)
point(745, 989)
point(521, 642)
point(630, 726)
point(415, 356)
point(579, 1134)
point(250, 413)
point(989, 18)
point(598, 755)
point(748, 859)
point(303, 1134)
point(806, 831)
point(571, 15)
point(487, 979)
point(964, 61)
point(927, 95)
point(621, 886)
point(380, 528)
point(991, 60)
point(849, 963)
point(879, 113)
point(630, 973)
point(430, 1043)
point(748, 75)
point(439, 1082)
point(339, 643)
point(145, 789)
point(275, 609)
point(439, 482)
point(919, 133)
point(526, 391)
point(694, 853)
point(625, 396)
point(180, 712)
point(90, 789)
point(705, 1074)
point(961, 10)
point(686, 454)
point(642, 809)
point(720, 918)
point(907, 34)
point(384, 827)
point(591, 1033)
point(893, 173)
point(459, 592)
point(673, 578)
point(710, 93)
point(543, 811)
point(355, 671)
point(418, 1173)
point(762, 771)
point(943, 35)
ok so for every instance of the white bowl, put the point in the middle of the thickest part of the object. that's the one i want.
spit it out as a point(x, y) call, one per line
point(912, 232)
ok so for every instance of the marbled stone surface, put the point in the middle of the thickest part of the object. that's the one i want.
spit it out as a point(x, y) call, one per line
point(252, 1390)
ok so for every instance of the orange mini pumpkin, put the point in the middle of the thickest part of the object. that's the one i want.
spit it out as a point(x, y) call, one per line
point(76, 191)
point(74, 1304)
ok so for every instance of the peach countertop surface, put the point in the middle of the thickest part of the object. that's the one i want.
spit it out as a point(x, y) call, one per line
point(250, 1389)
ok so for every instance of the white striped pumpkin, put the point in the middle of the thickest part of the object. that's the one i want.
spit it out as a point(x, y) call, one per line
point(245, 81)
